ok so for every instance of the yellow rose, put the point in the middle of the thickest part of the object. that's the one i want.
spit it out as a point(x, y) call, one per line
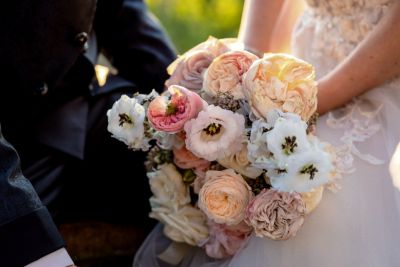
point(312, 198)
point(280, 81)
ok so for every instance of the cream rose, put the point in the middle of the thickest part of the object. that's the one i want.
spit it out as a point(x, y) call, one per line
point(224, 196)
point(225, 74)
point(187, 224)
point(240, 163)
point(168, 188)
point(283, 82)
point(276, 215)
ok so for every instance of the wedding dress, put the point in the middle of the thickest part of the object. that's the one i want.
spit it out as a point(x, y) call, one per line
point(359, 225)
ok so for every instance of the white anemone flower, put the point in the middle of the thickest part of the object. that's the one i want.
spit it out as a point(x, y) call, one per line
point(257, 149)
point(145, 100)
point(126, 123)
point(303, 172)
point(288, 138)
point(168, 141)
point(215, 134)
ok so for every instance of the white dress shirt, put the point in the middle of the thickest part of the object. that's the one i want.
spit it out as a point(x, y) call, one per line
point(58, 258)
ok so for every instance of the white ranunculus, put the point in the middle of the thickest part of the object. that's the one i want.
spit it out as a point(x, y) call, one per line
point(126, 123)
point(168, 188)
point(257, 149)
point(187, 224)
point(303, 172)
point(144, 100)
point(168, 141)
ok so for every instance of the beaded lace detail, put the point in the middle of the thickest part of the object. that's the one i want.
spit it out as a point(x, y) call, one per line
point(332, 29)
point(342, 24)
point(358, 125)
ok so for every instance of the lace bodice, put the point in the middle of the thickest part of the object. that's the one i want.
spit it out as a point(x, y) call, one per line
point(339, 25)
point(327, 33)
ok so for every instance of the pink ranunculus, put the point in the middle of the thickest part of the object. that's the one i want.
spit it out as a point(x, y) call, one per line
point(225, 73)
point(185, 159)
point(215, 133)
point(189, 71)
point(170, 111)
point(224, 241)
point(276, 215)
point(224, 196)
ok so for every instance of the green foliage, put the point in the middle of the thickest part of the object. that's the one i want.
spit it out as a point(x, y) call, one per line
point(189, 22)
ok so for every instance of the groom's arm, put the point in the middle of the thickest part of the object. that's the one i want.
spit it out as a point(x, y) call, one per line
point(134, 41)
point(27, 231)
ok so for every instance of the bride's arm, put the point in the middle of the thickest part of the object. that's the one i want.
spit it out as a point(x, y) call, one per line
point(258, 22)
point(267, 25)
point(375, 60)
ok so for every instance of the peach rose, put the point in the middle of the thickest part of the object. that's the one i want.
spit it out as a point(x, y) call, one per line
point(185, 159)
point(240, 163)
point(277, 215)
point(224, 196)
point(283, 82)
point(225, 73)
point(224, 240)
point(170, 111)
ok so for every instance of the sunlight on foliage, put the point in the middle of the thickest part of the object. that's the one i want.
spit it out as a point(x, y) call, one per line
point(189, 22)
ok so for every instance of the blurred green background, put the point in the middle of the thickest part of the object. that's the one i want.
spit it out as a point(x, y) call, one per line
point(189, 22)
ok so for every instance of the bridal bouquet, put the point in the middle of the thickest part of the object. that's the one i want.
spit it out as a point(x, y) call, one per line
point(232, 146)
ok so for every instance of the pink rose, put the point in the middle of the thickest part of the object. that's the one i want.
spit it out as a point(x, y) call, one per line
point(189, 71)
point(224, 241)
point(277, 215)
point(189, 68)
point(225, 73)
point(170, 111)
point(185, 159)
point(283, 82)
point(224, 196)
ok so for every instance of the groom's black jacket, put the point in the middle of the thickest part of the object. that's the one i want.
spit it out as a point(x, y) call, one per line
point(43, 69)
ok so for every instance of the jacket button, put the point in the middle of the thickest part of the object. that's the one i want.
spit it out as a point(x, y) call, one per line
point(80, 40)
point(42, 89)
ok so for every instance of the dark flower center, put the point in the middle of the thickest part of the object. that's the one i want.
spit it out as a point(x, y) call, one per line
point(310, 170)
point(213, 129)
point(289, 145)
point(124, 118)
